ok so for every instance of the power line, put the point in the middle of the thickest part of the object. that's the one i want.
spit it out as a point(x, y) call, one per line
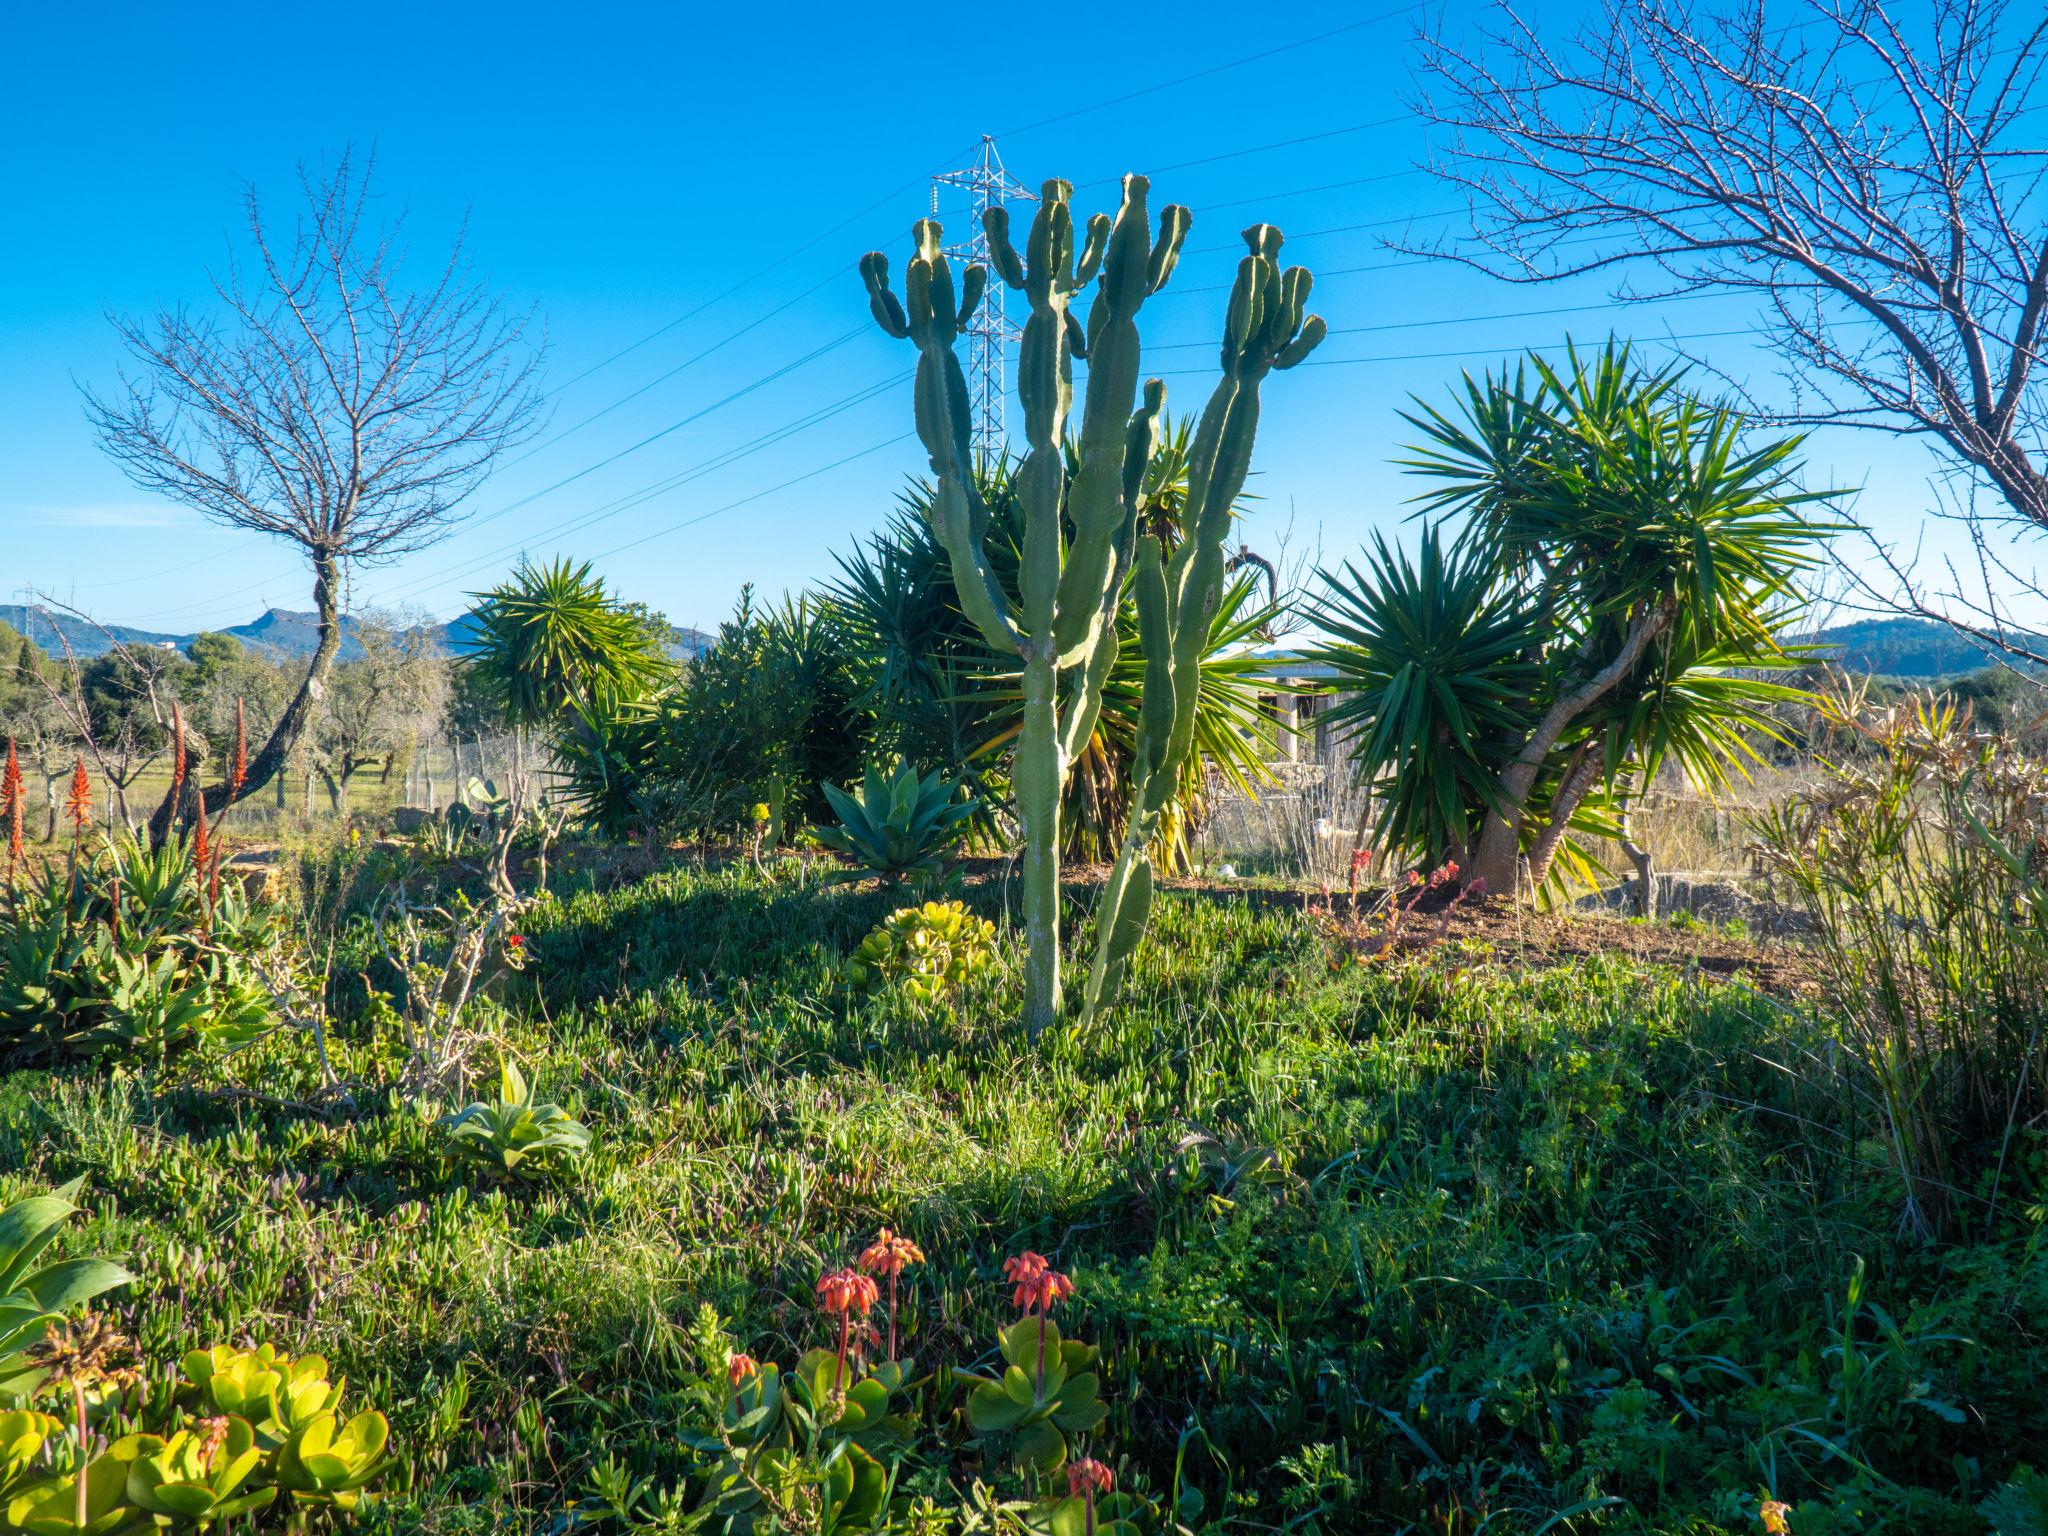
point(1214, 69)
point(631, 499)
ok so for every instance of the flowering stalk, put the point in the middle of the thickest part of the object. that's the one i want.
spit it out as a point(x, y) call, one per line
point(888, 1255)
point(11, 802)
point(1038, 1286)
point(177, 759)
point(845, 1291)
point(1086, 1478)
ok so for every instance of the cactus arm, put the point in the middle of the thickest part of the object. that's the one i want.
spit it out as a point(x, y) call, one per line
point(929, 316)
point(1265, 327)
point(1095, 500)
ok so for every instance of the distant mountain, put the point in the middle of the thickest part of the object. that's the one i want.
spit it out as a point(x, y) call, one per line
point(279, 631)
point(1917, 648)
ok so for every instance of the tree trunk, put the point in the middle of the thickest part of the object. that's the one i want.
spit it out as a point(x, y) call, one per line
point(1640, 856)
point(1497, 856)
point(299, 715)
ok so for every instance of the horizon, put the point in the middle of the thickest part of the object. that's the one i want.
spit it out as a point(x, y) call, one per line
point(723, 412)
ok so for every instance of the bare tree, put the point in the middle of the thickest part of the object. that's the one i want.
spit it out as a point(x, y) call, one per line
point(1873, 179)
point(327, 404)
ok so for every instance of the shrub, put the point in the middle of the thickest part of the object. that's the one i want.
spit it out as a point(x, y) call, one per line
point(1922, 860)
point(125, 952)
point(925, 953)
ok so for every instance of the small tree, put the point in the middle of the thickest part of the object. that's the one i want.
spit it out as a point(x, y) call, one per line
point(1623, 566)
point(329, 405)
point(380, 705)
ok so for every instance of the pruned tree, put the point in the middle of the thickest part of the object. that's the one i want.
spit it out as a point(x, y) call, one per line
point(1870, 173)
point(328, 403)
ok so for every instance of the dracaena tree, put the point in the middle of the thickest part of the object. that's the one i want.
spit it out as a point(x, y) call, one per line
point(1602, 584)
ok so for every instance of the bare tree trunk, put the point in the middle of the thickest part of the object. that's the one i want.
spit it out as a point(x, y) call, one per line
point(1646, 869)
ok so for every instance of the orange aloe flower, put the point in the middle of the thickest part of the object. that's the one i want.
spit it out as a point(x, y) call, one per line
point(12, 801)
point(78, 803)
point(890, 1255)
point(846, 1292)
point(741, 1367)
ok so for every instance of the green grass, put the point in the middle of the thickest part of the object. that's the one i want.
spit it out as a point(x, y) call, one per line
point(1366, 1250)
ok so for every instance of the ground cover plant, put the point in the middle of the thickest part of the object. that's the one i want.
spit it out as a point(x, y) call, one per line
point(1430, 1242)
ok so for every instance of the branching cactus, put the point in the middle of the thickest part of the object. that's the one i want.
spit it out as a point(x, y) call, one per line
point(1266, 327)
point(1073, 573)
point(1069, 582)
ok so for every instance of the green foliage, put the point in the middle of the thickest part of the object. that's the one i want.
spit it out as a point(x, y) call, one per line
point(896, 823)
point(927, 954)
point(768, 707)
point(123, 952)
point(196, 1463)
point(1624, 564)
point(514, 1136)
point(1437, 664)
point(551, 642)
point(1046, 1393)
point(33, 1293)
point(1921, 860)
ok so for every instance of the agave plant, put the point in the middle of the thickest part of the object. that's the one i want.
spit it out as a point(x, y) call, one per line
point(514, 1136)
point(896, 823)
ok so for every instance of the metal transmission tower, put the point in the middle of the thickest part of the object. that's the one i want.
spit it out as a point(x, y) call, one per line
point(989, 333)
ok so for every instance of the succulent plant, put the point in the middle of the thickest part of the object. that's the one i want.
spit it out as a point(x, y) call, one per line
point(327, 1461)
point(927, 953)
point(198, 1475)
point(33, 1295)
point(515, 1136)
point(896, 823)
point(1047, 1391)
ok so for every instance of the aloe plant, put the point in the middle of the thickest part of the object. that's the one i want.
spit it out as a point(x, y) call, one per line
point(515, 1136)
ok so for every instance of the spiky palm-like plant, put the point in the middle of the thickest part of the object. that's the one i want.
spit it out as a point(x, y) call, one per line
point(1625, 561)
point(551, 640)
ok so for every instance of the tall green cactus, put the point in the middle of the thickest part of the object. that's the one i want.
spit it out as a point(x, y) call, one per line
point(1266, 327)
point(1072, 578)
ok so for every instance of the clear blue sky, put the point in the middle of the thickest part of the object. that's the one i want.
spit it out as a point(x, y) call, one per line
point(622, 166)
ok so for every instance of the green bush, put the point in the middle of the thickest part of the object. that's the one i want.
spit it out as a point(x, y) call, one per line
point(926, 954)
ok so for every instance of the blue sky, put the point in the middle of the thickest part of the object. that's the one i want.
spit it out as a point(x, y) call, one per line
point(622, 167)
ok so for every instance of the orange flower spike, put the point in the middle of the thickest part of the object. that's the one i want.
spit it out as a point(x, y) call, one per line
point(1085, 1479)
point(12, 801)
point(845, 1292)
point(177, 757)
point(239, 775)
point(78, 803)
point(741, 1368)
point(890, 1255)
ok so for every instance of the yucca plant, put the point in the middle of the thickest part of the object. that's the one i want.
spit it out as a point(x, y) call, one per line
point(1624, 563)
point(896, 823)
point(551, 639)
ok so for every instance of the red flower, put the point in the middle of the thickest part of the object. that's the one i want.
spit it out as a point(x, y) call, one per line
point(1088, 1477)
point(846, 1290)
point(177, 757)
point(239, 774)
point(740, 1368)
point(890, 1255)
point(515, 940)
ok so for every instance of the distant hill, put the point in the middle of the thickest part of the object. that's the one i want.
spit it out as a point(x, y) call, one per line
point(1917, 648)
point(280, 631)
